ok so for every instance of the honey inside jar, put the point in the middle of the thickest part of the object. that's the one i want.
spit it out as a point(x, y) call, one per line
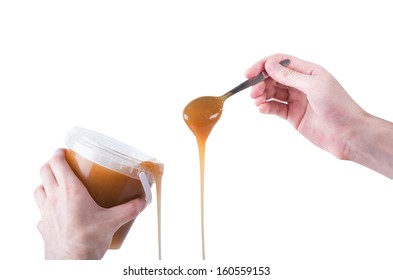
point(108, 188)
point(111, 170)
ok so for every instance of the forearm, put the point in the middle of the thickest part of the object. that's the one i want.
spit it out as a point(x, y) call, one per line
point(371, 145)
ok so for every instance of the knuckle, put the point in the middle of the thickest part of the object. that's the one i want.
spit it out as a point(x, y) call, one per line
point(44, 169)
point(288, 73)
point(133, 211)
point(38, 190)
point(40, 227)
point(57, 158)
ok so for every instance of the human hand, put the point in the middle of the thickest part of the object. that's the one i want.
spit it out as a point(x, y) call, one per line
point(73, 226)
point(310, 98)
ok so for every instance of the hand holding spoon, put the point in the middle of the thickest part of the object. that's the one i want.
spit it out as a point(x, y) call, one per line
point(202, 113)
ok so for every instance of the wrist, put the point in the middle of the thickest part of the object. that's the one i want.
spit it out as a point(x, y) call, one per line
point(355, 143)
point(72, 252)
point(370, 144)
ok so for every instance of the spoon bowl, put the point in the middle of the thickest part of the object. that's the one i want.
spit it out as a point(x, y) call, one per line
point(201, 122)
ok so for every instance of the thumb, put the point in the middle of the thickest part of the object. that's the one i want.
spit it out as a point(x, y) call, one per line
point(121, 214)
point(286, 76)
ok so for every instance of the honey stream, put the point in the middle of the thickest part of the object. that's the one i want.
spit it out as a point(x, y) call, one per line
point(157, 170)
point(201, 115)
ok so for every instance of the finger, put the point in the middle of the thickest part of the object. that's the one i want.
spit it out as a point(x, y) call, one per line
point(296, 64)
point(259, 66)
point(299, 74)
point(291, 77)
point(257, 90)
point(49, 181)
point(40, 227)
point(277, 93)
point(121, 214)
point(274, 108)
point(267, 85)
point(62, 171)
point(274, 91)
point(40, 197)
point(260, 100)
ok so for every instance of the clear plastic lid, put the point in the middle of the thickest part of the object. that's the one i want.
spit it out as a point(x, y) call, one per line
point(109, 153)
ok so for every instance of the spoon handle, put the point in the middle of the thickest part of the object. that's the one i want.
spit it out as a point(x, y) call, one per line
point(253, 81)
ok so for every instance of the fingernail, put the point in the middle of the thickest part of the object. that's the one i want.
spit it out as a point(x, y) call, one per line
point(285, 62)
point(274, 66)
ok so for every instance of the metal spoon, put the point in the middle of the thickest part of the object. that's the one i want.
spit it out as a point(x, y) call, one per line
point(202, 113)
point(251, 82)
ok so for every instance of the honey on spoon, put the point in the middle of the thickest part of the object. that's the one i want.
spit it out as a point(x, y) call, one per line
point(201, 115)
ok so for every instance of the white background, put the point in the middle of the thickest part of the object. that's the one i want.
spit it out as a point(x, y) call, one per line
point(128, 68)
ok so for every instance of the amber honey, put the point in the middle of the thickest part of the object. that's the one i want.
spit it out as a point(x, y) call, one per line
point(107, 187)
point(201, 115)
point(110, 171)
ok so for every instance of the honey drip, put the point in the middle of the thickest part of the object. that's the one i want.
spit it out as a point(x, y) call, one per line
point(157, 170)
point(201, 115)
